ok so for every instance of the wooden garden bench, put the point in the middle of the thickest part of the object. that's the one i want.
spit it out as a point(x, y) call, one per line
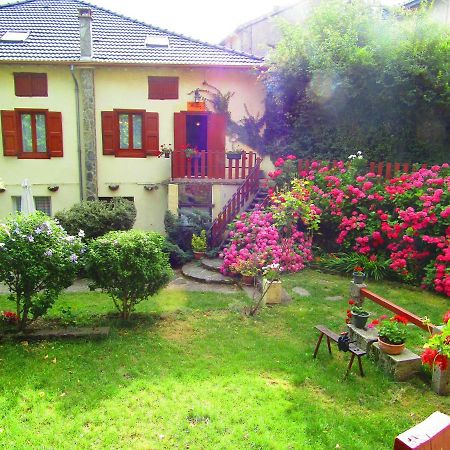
point(332, 336)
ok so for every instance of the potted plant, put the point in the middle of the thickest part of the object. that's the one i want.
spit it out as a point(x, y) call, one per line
point(234, 153)
point(272, 288)
point(391, 334)
point(198, 244)
point(358, 275)
point(166, 150)
point(436, 355)
point(190, 152)
point(359, 315)
point(248, 269)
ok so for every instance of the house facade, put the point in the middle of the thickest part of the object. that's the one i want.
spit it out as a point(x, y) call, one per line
point(89, 96)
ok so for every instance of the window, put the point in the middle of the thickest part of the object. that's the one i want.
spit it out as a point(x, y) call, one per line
point(163, 88)
point(15, 36)
point(32, 133)
point(152, 40)
point(43, 204)
point(130, 133)
point(27, 84)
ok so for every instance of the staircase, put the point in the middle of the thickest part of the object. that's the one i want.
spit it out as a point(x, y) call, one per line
point(243, 197)
point(206, 271)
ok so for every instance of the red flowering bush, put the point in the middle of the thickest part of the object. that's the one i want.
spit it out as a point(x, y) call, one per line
point(9, 317)
point(437, 349)
point(404, 221)
point(255, 237)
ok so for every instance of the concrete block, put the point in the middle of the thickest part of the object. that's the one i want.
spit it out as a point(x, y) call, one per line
point(400, 367)
point(440, 381)
point(363, 338)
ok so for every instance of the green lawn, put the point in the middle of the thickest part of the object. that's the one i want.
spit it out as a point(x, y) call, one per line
point(192, 372)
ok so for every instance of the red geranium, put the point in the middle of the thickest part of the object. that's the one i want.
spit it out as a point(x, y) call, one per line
point(400, 319)
point(446, 316)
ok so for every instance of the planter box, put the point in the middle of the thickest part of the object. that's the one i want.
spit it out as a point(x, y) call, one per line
point(274, 293)
point(440, 381)
point(234, 155)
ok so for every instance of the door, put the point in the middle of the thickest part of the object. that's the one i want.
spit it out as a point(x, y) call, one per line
point(205, 130)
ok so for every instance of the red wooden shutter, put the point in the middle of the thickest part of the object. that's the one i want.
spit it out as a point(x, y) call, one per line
point(179, 143)
point(10, 134)
point(108, 127)
point(151, 130)
point(54, 133)
point(22, 85)
point(217, 125)
point(163, 88)
point(39, 85)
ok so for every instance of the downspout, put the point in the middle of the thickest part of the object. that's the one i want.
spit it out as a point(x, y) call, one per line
point(80, 156)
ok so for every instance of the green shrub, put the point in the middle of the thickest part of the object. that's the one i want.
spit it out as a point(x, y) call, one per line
point(177, 257)
point(96, 218)
point(180, 229)
point(128, 265)
point(199, 242)
point(38, 259)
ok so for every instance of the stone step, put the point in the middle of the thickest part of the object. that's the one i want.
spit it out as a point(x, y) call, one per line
point(195, 271)
point(213, 264)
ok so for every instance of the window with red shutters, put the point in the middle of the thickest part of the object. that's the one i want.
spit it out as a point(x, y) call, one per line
point(32, 134)
point(28, 84)
point(130, 133)
point(163, 88)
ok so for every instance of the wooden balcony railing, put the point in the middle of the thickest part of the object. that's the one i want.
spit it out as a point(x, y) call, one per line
point(212, 165)
point(234, 206)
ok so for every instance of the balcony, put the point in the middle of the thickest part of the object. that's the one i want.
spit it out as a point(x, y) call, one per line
point(211, 165)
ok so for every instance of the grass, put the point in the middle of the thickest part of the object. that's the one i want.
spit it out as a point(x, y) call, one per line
point(191, 372)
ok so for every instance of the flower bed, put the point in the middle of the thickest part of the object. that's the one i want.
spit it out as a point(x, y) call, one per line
point(402, 223)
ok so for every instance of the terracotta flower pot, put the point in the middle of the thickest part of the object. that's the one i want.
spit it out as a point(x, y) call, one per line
point(199, 255)
point(249, 280)
point(391, 349)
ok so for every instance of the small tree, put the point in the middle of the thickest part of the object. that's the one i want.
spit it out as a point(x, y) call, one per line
point(38, 259)
point(129, 265)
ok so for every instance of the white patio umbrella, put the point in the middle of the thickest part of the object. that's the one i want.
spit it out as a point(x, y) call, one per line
point(27, 205)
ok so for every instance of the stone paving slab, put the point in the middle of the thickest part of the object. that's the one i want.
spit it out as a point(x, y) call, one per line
point(334, 298)
point(301, 291)
point(212, 264)
point(182, 283)
point(196, 272)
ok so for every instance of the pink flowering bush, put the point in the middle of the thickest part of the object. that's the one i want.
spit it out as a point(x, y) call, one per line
point(254, 237)
point(405, 220)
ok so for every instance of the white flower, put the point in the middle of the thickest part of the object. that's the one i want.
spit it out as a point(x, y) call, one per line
point(81, 234)
point(352, 157)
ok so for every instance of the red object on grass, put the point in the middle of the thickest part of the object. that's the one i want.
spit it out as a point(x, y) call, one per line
point(431, 434)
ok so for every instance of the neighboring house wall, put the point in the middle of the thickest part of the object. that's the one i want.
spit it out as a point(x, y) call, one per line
point(42, 172)
point(261, 35)
point(116, 87)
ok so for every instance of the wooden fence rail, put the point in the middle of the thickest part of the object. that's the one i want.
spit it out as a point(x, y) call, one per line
point(385, 169)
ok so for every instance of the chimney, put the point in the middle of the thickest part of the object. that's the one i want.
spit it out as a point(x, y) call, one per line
point(85, 15)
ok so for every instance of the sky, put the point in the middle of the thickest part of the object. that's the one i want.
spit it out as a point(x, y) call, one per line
point(207, 20)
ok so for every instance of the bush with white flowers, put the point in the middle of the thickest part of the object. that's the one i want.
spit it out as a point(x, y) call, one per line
point(38, 259)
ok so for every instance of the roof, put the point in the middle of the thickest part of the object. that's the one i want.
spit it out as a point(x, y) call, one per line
point(414, 3)
point(55, 36)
